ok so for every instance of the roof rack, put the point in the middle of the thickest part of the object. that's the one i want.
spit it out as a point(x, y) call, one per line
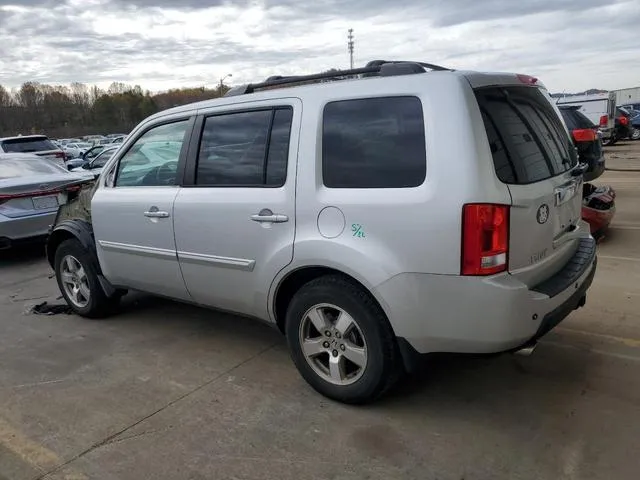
point(381, 68)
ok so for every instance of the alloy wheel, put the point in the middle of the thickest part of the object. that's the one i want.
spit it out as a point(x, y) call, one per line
point(333, 344)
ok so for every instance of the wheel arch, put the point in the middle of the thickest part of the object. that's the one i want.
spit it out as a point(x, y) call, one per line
point(295, 279)
point(78, 229)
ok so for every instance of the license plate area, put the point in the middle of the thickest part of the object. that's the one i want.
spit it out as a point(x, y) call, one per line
point(568, 202)
point(44, 202)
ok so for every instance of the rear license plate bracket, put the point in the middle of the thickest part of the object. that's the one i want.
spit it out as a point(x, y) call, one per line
point(46, 201)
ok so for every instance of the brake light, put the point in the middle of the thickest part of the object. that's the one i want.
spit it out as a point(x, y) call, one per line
point(61, 155)
point(528, 79)
point(11, 196)
point(604, 120)
point(485, 239)
point(623, 120)
point(584, 135)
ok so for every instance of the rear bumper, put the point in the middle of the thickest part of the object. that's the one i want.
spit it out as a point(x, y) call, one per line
point(17, 230)
point(441, 313)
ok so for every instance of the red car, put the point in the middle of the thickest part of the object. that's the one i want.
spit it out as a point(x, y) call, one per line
point(598, 207)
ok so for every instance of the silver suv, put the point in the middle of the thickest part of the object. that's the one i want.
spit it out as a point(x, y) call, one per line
point(398, 210)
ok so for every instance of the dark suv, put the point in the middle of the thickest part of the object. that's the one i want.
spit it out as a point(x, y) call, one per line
point(586, 140)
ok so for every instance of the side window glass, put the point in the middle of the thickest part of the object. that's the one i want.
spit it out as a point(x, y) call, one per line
point(278, 156)
point(374, 143)
point(245, 149)
point(153, 159)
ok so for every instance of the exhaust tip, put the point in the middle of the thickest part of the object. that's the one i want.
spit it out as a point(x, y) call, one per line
point(526, 351)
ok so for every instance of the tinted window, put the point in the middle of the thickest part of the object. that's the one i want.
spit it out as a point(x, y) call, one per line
point(245, 149)
point(26, 145)
point(373, 143)
point(153, 159)
point(23, 167)
point(527, 139)
point(575, 119)
point(278, 155)
point(101, 159)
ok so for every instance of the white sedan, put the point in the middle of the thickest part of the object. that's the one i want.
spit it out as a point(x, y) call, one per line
point(75, 150)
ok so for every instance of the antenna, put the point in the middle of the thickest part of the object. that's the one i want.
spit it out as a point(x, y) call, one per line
point(350, 47)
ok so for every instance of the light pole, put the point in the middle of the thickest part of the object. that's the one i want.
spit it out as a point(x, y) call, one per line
point(222, 82)
point(350, 46)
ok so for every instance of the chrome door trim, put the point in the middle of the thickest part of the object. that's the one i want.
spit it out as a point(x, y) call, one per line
point(162, 253)
point(214, 260)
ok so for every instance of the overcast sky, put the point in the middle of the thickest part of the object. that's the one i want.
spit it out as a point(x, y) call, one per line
point(571, 45)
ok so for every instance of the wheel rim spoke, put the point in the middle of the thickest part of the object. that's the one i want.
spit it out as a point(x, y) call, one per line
point(336, 368)
point(344, 323)
point(67, 277)
point(355, 354)
point(312, 348)
point(318, 319)
point(71, 267)
point(84, 291)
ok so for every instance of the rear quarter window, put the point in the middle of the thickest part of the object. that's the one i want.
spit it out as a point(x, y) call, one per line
point(527, 138)
point(373, 143)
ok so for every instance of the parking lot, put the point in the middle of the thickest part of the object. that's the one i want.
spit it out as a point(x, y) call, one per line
point(165, 390)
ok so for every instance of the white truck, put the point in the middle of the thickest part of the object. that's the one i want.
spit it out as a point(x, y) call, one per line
point(600, 108)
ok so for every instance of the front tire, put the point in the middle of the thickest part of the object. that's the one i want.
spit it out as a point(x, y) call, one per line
point(341, 341)
point(78, 281)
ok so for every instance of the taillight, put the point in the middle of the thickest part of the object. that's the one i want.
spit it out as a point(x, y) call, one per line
point(485, 239)
point(61, 155)
point(584, 135)
point(604, 120)
point(528, 79)
point(623, 120)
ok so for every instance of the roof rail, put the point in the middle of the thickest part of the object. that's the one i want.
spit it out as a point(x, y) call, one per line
point(381, 68)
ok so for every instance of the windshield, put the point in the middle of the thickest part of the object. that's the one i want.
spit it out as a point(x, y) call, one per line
point(528, 141)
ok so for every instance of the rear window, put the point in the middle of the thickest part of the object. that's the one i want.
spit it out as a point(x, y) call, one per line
point(13, 168)
point(26, 145)
point(528, 141)
point(575, 120)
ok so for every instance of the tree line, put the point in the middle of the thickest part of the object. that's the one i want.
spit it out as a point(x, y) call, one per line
point(71, 111)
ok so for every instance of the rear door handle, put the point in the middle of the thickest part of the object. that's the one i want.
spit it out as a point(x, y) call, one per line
point(267, 216)
point(156, 214)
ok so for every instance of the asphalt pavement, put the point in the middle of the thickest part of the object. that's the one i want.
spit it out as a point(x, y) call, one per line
point(170, 391)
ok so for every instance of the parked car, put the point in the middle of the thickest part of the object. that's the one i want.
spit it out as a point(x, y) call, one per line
point(94, 166)
point(623, 128)
point(76, 150)
point(600, 108)
point(335, 212)
point(31, 188)
point(37, 144)
point(634, 119)
point(598, 207)
point(118, 140)
point(586, 139)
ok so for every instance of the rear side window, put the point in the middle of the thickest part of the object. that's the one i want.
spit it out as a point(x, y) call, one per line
point(527, 139)
point(27, 145)
point(373, 143)
point(245, 149)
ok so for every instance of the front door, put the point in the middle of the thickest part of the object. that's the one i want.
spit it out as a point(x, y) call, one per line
point(133, 217)
point(235, 224)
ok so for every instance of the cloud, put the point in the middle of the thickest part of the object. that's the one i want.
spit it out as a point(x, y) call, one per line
point(571, 44)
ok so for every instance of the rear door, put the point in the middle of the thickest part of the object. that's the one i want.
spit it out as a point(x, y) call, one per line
point(534, 156)
point(235, 216)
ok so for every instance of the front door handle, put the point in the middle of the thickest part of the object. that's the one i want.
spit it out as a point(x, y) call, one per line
point(153, 212)
point(267, 216)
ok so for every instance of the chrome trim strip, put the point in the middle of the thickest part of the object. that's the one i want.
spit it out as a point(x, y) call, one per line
point(162, 253)
point(214, 260)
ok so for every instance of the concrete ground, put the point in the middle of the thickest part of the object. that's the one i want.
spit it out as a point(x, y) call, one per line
point(168, 391)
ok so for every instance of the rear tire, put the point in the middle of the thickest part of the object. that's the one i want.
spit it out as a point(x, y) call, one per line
point(341, 341)
point(78, 281)
point(635, 134)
